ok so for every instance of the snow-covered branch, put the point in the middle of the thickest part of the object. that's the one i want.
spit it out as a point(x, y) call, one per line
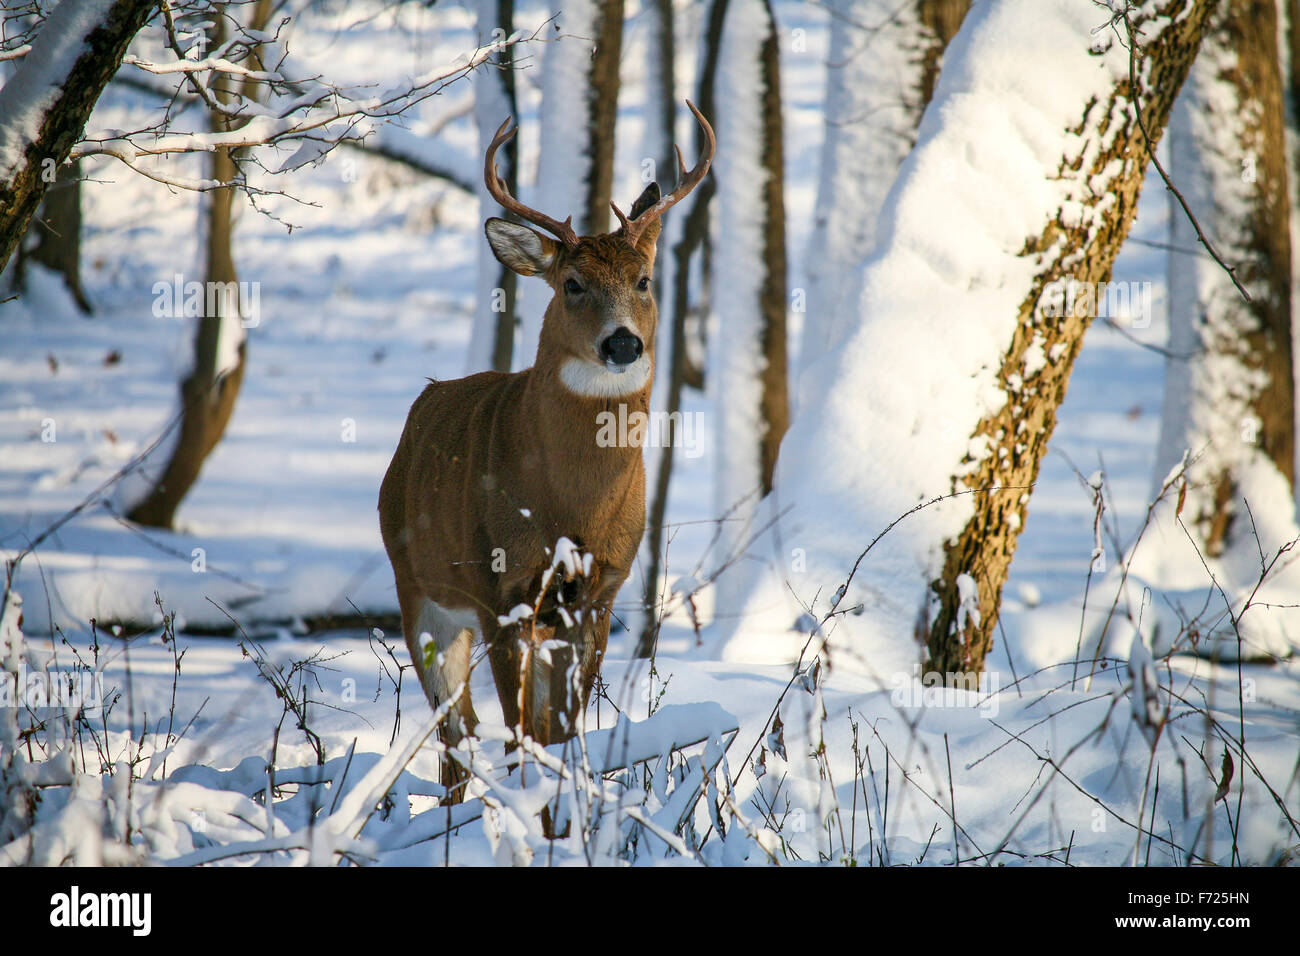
point(310, 113)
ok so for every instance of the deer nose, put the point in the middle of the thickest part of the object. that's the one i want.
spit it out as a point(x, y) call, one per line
point(623, 347)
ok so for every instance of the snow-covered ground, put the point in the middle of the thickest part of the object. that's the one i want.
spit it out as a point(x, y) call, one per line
point(371, 293)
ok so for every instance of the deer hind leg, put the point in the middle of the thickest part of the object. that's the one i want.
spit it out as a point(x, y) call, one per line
point(452, 635)
point(595, 640)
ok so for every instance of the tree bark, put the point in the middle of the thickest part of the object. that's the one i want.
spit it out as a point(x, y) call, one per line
point(941, 19)
point(661, 110)
point(60, 124)
point(604, 113)
point(774, 300)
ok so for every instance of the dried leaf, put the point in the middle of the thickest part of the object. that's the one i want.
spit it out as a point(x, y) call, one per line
point(1226, 783)
point(776, 739)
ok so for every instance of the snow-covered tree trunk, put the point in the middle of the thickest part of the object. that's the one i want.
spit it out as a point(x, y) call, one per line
point(1232, 401)
point(1025, 177)
point(883, 63)
point(693, 254)
point(747, 372)
point(1229, 383)
point(579, 106)
point(492, 338)
point(44, 105)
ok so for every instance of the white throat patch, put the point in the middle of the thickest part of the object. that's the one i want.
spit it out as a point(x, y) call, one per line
point(594, 380)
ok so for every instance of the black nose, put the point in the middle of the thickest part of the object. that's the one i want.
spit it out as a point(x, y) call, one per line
point(621, 348)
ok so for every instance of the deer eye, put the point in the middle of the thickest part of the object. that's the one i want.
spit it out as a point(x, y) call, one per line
point(572, 286)
point(644, 283)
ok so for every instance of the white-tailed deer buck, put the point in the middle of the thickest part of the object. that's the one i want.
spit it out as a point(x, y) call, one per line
point(495, 471)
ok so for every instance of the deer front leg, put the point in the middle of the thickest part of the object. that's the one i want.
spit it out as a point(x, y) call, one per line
point(546, 654)
point(523, 656)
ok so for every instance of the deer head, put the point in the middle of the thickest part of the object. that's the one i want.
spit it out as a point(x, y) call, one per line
point(599, 328)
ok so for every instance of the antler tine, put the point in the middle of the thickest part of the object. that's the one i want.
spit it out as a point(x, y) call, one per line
point(686, 181)
point(622, 219)
point(681, 166)
point(497, 189)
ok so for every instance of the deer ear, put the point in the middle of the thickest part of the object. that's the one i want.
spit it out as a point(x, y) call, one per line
point(643, 202)
point(517, 247)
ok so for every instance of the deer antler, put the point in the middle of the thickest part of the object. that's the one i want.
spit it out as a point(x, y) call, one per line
point(686, 181)
point(561, 230)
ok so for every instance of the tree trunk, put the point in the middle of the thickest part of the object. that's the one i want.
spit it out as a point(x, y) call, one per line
point(962, 618)
point(774, 302)
point(579, 105)
point(579, 108)
point(492, 341)
point(674, 311)
point(661, 120)
point(947, 387)
point(57, 228)
point(661, 115)
point(661, 93)
point(101, 31)
point(697, 239)
point(208, 394)
point(604, 114)
point(1229, 403)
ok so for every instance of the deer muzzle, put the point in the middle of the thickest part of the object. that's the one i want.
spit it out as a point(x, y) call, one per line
point(621, 349)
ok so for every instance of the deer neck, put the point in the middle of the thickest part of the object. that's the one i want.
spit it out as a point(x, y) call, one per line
point(574, 424)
